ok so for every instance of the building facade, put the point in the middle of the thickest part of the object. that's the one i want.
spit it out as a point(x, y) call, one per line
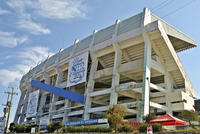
point(133, 62)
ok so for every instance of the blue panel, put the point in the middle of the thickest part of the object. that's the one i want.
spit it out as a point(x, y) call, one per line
point(82, 122)
point(59, 91)
point(87, 122)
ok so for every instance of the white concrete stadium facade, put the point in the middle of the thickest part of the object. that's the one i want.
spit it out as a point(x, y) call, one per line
point(133, 62)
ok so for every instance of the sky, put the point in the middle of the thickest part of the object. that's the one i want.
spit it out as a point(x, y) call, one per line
point(32, 30)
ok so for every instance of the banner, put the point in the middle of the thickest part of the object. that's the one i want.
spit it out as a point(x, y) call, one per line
point(77, 72)
point(87, 122)
point(2, 125)
point(32, 103)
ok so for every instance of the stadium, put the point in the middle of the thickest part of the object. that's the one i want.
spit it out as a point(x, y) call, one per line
point(133, 62)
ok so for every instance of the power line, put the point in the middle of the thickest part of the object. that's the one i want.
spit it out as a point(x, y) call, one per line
point(183, 6)
point(164, 3)
point(158, 7)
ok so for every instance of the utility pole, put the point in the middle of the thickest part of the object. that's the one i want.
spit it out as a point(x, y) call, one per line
point(5, 110)
point(9, 105)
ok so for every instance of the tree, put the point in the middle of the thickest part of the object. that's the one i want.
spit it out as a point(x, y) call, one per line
point(150, 117)
point(189, 116)
point(12, 127)
point(115, 114)
point(153, 116)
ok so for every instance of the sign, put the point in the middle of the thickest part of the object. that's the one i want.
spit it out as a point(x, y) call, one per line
point(44, 120)
point(43, 127)
point(77, 70)
point(87, 122)
point(32, 103)
point(2, 124)
point(33, 130)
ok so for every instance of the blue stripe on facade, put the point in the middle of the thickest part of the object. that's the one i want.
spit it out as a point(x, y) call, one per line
point(59, 91)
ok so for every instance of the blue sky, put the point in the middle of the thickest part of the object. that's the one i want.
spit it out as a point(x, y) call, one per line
point(32, 30)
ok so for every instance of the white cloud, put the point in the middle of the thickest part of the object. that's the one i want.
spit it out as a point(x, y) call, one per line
point(34, 54)
point(2, 11)
point(8, 76)
point(58, 9)
point(9, 39)
point(8, 57)
point(28, 57)
point(25, 20)
point(32, 27)
point(51, 9)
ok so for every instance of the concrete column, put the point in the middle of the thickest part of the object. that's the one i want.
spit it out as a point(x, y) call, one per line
point(145, 107)
point(55, 97)
point(91, 82)
point(138, 108)
point(117, 62)
point(29, 89)
point(43, 98)
point(68, 104)
point(146, 76)
point(168, 86)
point(66, 111)
point(19, 107)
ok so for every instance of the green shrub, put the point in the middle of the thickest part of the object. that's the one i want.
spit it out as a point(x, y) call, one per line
point(143, 127)
point(20, 128)
point(23, 128)
point(193, 131)
point(54, 126)
point(72, 129)
point(156, 127)
point(126, 128)
point(28, 128)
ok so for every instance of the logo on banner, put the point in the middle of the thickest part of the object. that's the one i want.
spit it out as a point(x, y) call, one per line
point(77, 70)
point(32, 103)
